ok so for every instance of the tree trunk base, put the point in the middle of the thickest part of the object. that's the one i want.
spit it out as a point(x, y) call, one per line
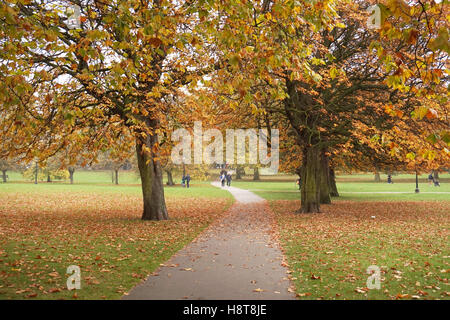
point(311, 170)
point(152, 183)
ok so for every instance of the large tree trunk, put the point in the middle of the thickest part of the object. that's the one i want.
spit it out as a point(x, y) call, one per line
point(49, 178)
point(71, 172)
point(324, 179)
point(377, 175)
point(310, 180)
point(333, 188)
point(170, 178)
point(239, 172)
point(256, 174)
point(116, 177)
point(4, 175)
point(152, 182)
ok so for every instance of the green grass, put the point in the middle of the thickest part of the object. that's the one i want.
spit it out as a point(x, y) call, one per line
point(44, 228)
point(197, 189)
point(95, 224)
point(357, 188)
point(330, 252)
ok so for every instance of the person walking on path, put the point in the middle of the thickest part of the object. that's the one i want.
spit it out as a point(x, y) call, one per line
point(389, 180)
point(228, 177)
point(187, 178)
point(222, 179)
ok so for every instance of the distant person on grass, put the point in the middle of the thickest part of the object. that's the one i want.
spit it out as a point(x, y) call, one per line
point(430, 178)
point(436, 183)
point(183, 181)
point(389, 180)
point(228, 177)
point(187, 178)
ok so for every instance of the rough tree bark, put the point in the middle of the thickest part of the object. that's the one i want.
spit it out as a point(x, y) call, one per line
point(310, 194)
point(71, 172)
point(377, 175)
point(333, 188)
point(36, 171)
point(170, 177)
point(256, 174)
point(239, 172)
point(152, 181)
point(324, 179)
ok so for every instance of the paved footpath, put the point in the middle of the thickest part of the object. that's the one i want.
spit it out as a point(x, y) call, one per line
point(235, 258)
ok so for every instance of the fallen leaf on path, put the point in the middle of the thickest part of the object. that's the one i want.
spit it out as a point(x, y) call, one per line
point(186, 269)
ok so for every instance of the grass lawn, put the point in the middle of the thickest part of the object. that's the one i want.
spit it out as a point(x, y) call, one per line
point(45, 228)
point(329, 252)
point(96, 225)
point(405, 234)
point(358, 188)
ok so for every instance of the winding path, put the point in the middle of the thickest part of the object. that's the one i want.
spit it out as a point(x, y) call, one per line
point(235, 258)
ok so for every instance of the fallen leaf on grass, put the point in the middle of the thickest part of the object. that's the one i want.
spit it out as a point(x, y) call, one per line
point(305, 294)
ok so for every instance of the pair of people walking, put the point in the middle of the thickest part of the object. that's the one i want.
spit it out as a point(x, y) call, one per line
point(225, 177)
point(432, 180)
point(185, 180)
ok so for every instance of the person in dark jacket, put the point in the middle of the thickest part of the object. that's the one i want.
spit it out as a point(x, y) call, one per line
point(389, 180)
point(187, 179)
point(228, 177)
point(430, 178)
point(222, 179)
